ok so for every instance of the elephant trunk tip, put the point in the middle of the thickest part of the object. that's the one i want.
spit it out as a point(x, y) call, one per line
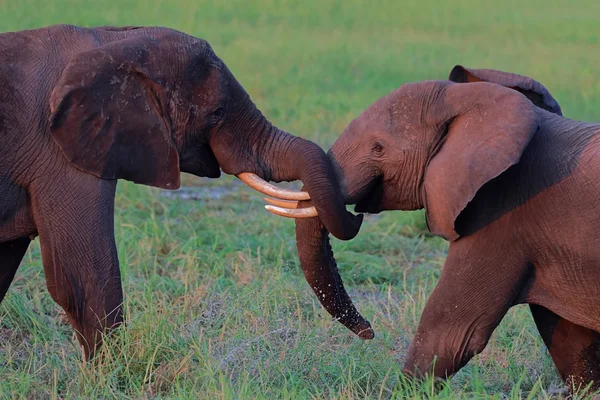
point(366, 334)
point(358, 325)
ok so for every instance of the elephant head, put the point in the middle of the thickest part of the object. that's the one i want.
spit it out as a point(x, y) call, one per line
point(431, 145)
point(145, 104)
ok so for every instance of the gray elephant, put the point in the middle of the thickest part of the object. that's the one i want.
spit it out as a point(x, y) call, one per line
point(81, 108)
point(510, 183)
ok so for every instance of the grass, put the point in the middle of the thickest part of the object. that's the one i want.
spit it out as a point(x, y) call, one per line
point(215, 301)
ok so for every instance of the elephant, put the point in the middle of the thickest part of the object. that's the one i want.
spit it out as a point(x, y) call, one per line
point(81, 108)
point(513, 187)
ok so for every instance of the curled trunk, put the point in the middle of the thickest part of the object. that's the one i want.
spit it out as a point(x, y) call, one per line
point(248, 142)
point(287, 158)
point(320, 270)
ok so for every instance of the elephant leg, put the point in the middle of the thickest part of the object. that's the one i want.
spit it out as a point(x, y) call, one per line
point(11, 254)
point(477, 287)
point(75, 226)
point(574, 349)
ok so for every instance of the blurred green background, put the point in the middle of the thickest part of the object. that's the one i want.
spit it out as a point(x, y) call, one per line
point(215, 301)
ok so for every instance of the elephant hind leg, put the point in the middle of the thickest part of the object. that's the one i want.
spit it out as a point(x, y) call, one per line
point(11, 254)
point(574, 349)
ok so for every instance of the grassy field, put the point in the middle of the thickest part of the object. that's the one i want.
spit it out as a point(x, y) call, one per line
point(215, 301)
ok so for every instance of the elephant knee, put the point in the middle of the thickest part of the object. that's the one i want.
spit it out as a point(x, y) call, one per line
point(68, 294)
point(473, 345)
point(86, 305)
point(445, 349)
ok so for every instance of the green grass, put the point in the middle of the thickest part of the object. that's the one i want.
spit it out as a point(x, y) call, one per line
point(215, 302)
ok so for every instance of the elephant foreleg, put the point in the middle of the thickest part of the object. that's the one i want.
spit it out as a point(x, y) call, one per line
point(574, 349)
point(75, 226)
point(11, 254)
point(477, 286)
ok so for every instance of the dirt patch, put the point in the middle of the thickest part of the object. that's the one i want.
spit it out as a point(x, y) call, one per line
point(201, 193)
point(200, 189)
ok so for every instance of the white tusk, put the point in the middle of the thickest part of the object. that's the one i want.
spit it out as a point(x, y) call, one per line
point(308, 212)
point(290, 204)
point(264, 187)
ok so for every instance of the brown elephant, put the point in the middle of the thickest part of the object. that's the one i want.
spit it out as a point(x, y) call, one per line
point(510, 183)
point(81, 108)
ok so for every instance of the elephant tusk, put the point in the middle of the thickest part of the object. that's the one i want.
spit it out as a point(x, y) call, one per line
point(300, 213)
point(264, 187)
point(289, 204)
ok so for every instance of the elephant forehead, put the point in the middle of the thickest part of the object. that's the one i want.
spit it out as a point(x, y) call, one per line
point(409, 106)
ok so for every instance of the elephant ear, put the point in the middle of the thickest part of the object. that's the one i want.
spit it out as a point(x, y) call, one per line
point(108, 118)
point(530, 88)
point(488, 128)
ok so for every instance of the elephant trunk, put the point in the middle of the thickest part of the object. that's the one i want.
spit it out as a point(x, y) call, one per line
point(320, 270)
point(287, 157)
point(249, 143)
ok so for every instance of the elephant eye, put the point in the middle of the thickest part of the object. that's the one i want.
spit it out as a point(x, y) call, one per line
point(217, 115)
point(377, 149)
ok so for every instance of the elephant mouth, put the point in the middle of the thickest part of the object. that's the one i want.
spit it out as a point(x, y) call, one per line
point(210, 163)
point(372, 202)
point(213, 171)
point(200, 161)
